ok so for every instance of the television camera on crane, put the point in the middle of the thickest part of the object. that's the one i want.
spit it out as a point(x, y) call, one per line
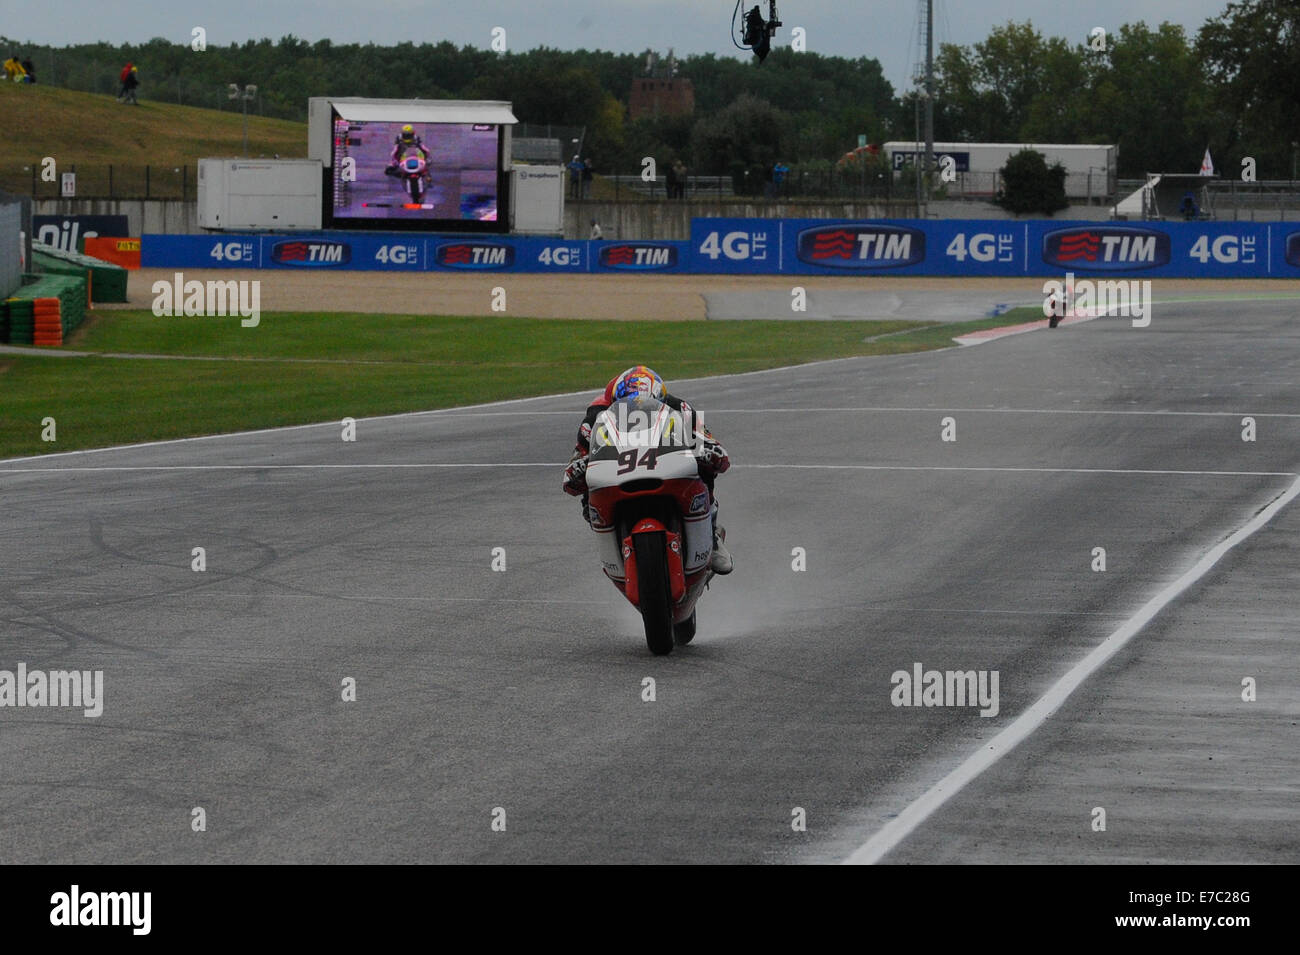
point(758, 32)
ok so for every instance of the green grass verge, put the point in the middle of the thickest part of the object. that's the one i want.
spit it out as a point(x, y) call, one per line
point(91, 131)
point(311, 367)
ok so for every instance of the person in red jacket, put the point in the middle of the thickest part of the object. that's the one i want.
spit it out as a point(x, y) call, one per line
point(712, 456)
point(130, 80)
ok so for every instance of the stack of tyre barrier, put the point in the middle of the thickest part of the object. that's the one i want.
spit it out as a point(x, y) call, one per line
point(105, 281)
point(46, 311)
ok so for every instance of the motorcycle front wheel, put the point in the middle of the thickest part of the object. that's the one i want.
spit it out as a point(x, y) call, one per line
point(652, 588)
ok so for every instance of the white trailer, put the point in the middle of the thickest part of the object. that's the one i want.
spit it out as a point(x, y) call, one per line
point(257, 194)
point(538, 192)
point(1091, 170)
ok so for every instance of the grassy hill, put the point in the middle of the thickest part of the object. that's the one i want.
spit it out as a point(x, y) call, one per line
point(92, 131)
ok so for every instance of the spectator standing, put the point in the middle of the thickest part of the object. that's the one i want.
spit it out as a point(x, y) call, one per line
point(575, 168)
point(779, 173)
point(596, 233)
point(671, 187)
point(31, 70)
point(586, 178)
point(133, 81)
point(129, 85)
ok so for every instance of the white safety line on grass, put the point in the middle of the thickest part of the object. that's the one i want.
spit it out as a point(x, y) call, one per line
point(888, 837)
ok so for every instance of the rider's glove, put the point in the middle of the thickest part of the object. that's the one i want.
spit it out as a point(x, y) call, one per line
point(713, 457)
point(575, 476)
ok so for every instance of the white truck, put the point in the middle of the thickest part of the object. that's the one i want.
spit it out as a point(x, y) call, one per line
point(1091, 170)
point(259, 194)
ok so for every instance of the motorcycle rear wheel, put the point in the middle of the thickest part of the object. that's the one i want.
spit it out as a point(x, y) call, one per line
point(652, 588)
point(684, 632)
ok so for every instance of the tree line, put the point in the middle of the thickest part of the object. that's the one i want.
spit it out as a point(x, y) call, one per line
point(1161, 94)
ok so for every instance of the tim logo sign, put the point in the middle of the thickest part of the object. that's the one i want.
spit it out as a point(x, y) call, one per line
point(1293, 249)
point(638, 256)
point(857, 247)
point(475, 255)
point(305, 252)
point(1102, 249)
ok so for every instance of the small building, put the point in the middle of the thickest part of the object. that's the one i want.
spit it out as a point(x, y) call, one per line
point(660, 92)
point(654, 97)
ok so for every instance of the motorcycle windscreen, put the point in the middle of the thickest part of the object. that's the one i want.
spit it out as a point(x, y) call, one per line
point(639, 438)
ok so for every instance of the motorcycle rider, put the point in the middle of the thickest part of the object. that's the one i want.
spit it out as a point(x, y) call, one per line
point(404, 141)
point(711, 455)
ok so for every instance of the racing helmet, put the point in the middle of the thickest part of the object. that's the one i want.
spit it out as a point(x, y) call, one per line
point(408, 133)
point(639, 379)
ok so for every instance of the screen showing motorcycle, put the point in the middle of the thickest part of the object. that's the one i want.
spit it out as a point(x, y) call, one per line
point(426, 173)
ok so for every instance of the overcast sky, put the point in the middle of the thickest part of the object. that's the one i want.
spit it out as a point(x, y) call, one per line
point(883, 29)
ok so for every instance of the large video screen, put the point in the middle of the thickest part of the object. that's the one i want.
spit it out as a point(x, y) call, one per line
point(415, 172)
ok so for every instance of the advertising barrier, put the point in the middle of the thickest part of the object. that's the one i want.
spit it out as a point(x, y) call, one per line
point(948, 247)
point(407, 253)
point(124, 251)
point(65, 231)
point(998, 247)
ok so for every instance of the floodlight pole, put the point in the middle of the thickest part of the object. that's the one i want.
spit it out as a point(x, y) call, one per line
point(243, 94)
point(929, 92)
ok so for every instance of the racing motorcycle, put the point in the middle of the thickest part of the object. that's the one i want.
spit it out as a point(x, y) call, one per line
point(652, 514)
point(413, 171)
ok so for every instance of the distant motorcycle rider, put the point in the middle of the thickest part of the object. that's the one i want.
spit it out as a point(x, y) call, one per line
point(712, 457)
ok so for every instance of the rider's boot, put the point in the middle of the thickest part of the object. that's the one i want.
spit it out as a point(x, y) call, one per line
point(721, 562)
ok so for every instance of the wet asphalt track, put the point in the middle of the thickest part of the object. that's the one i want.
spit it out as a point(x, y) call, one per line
point(523, 689)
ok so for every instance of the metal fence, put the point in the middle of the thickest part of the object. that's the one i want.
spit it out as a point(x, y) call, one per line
point(696, 187)
point(860, 183)
point(754, 183)
point(102, 181)
point(1230, 200)
point(1092, 186)
point(572, 139)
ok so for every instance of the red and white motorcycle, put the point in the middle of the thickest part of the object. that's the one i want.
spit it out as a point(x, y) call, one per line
point(414, 173)
point(653, 514)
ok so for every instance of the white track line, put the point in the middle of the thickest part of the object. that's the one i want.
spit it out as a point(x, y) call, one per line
point(222, 595)
point(919, 467)
point(1076, 411)
point(333, 423)
point(465, 411)
point(901, 826)
point(74, 469)
point(362, 598)
point(456, 413)
point(282, 467)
